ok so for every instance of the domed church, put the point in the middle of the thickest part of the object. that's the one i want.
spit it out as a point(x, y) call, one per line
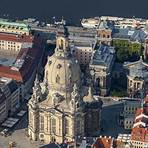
point(57, 111)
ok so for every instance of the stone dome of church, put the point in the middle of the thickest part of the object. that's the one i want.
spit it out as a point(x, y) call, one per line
point(62, 70)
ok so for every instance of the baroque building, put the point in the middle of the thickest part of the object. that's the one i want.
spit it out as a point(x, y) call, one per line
point(57, 111)
point(137, 78)
point(100, 66)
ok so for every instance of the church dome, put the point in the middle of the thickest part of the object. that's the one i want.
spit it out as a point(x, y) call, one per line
point(62, 70)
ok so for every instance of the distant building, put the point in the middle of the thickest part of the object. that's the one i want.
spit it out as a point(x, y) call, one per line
point(131, 106)
point(82, 43)
point(139, 135)
point(130, 37)
point(79, 34)
point(14, 27)
point(104, 32)
point(101, 64)
point(122, 22)
point(125, 138)
point(137, 78)
point(9, 97)
point(83, 52)
point(108, 142)
point(12, 43)
point(20, 57)
point(129, 110)
point(90, 22)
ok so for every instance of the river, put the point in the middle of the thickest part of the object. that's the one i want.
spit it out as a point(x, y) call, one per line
point(73, 10)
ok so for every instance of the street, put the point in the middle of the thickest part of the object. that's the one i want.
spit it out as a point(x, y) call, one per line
point(109, 122)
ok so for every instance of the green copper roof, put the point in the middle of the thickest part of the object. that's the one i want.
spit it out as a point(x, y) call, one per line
point(6, 23)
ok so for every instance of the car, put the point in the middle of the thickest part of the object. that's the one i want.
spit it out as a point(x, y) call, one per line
point(4, 132)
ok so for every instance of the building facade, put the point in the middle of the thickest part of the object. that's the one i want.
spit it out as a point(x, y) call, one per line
point(14, 27)
point(57, 111)
point(104, 33)
point(83, 52)
point(20, 55)
point(101, 64)
point(139, 135)
point(9, 96)
point(137, 75)
point(129, 110)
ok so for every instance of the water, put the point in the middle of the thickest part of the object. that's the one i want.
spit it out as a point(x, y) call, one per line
point(73, 10)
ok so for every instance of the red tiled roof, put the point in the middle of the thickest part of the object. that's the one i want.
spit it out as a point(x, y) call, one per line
point(139, 112)
point(16, 38)
point(142, 118)
point(31, 59)
point(106, 142)
point(103, 142)
point(139, 134)
point(9, 73)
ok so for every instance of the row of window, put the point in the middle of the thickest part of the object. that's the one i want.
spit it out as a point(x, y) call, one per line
point(1, 41)
point(14, 49)
point(130, 108)
point(13, 31)
point(53, 124)
point(10, 46)
point(129, 122)
point(104, 36)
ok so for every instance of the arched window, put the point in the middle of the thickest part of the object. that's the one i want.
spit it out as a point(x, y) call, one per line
point(61, 44)
point(66, 126)
point(57, 79)
point(53, 125)
point(42, 123)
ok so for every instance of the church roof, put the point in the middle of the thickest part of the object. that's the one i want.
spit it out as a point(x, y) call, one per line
point(103, 56)
point(137, 69)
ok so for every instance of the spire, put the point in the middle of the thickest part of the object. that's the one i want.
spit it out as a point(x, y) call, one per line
point(37, 90)
point(75, 94)
point(89, 97)
point(62, 47)
point(90, 93)
point(75, 98)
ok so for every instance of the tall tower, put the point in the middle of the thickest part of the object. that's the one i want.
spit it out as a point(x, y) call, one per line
point(53, 118)
point(77, 106)
point(33, 127)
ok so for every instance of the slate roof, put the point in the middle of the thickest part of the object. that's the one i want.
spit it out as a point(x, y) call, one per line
point(103, 55)
point(131, 34)
point(106, 25)
point(137, 69)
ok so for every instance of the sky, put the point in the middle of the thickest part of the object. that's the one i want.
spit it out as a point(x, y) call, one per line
point(73, 10)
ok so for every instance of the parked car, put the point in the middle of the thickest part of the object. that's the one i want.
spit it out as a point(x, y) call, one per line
point(5, 132)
